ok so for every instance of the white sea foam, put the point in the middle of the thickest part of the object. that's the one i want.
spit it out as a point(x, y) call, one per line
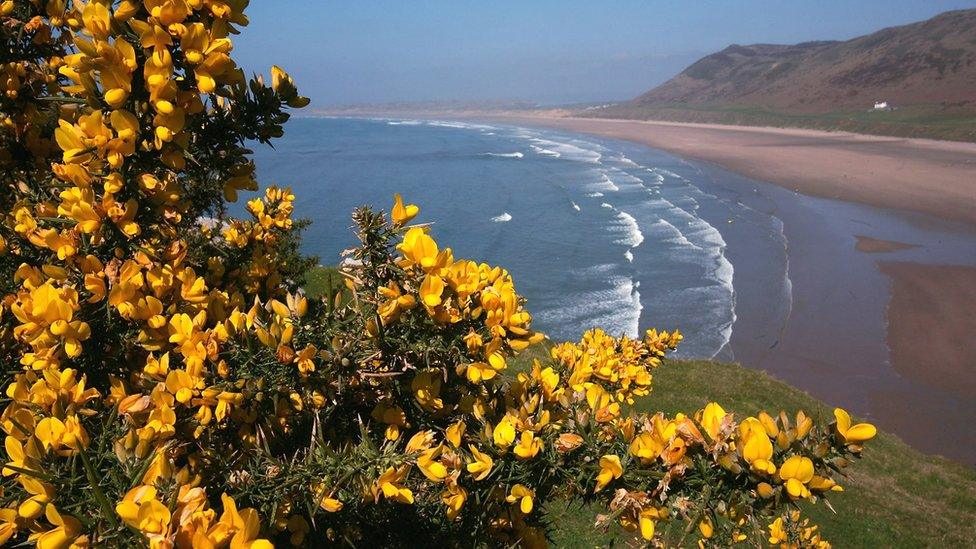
point(680, 226)
point(619, 179)
point(595, 194)
point(442, 124)
point(669, 233)
point(627, 162)
point(605, 205)
point(621, 176)
point(616, 308)
point(634, 237)
point(544, 151)
point(629, 255)
point(668, 173)
point(599, 270)
point(505, 155)
point(504, 218)
point(564, 150)
point(604, 184)
point(403, 122)
point(459, 125)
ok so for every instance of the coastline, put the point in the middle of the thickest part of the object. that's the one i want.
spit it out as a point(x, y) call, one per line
point(826, 325)
point(853, 335)
point(921, 175)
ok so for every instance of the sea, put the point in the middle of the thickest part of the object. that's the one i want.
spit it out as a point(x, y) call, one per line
point(605, 233)
point(596, 232)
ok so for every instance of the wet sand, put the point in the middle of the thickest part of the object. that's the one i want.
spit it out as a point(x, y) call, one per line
point(870, 245)
point(932, 322)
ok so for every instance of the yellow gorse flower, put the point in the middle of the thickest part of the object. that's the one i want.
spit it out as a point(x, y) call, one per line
point(402, 214)
point(853, 434)
point(796, 472)
point(504, 433)
point(389, 486)
point(145, 330)
point(755, 446)
point(610, 469)
point(454, 497)
point(523, 496)
point(482, 464)
point(528, 445)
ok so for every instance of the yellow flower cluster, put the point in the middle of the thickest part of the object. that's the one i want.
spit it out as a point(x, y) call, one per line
point(192, 523)
point(169, 385)
point(790, 532)
point(750, 450)
point(589, 382)
point(116, 278)
point(455, 291)
point(612, 371)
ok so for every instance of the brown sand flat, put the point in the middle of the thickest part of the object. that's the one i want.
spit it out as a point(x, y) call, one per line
point(935, 177)
point(931, 324)
point(869, 245)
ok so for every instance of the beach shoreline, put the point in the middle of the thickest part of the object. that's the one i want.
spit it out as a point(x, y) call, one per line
point(826, 325)
point(868, 169)
point(925, 178)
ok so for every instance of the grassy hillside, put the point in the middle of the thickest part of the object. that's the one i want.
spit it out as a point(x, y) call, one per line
point(896, 496)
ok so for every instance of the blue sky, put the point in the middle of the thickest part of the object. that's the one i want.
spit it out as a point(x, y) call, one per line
point(543, 51)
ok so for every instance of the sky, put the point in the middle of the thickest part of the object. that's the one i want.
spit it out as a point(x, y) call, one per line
point(545, 52)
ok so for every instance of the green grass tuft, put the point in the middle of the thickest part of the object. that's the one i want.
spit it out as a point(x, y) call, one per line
point(320, 280)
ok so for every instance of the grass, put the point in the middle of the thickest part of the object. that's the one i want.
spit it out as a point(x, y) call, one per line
point(929, 121)
point(322, 280)
point(895, 496)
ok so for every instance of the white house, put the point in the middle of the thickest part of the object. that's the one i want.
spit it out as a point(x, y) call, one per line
point(880, 105)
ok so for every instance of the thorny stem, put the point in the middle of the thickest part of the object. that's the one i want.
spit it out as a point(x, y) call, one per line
point(97, 490)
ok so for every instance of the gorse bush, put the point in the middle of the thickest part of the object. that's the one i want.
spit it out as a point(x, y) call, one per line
point(169, 384)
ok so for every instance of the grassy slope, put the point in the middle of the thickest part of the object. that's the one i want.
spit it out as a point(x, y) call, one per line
point(896, 496)
point(321, 279)
point(916, 121)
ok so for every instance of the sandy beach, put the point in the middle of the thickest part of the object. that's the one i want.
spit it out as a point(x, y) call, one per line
point(895, 343)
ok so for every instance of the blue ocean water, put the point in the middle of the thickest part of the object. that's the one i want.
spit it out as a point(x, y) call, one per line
point(600, 232)
point(595, 232)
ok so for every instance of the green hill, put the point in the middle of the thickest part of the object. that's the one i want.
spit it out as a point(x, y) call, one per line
point(925, 72)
